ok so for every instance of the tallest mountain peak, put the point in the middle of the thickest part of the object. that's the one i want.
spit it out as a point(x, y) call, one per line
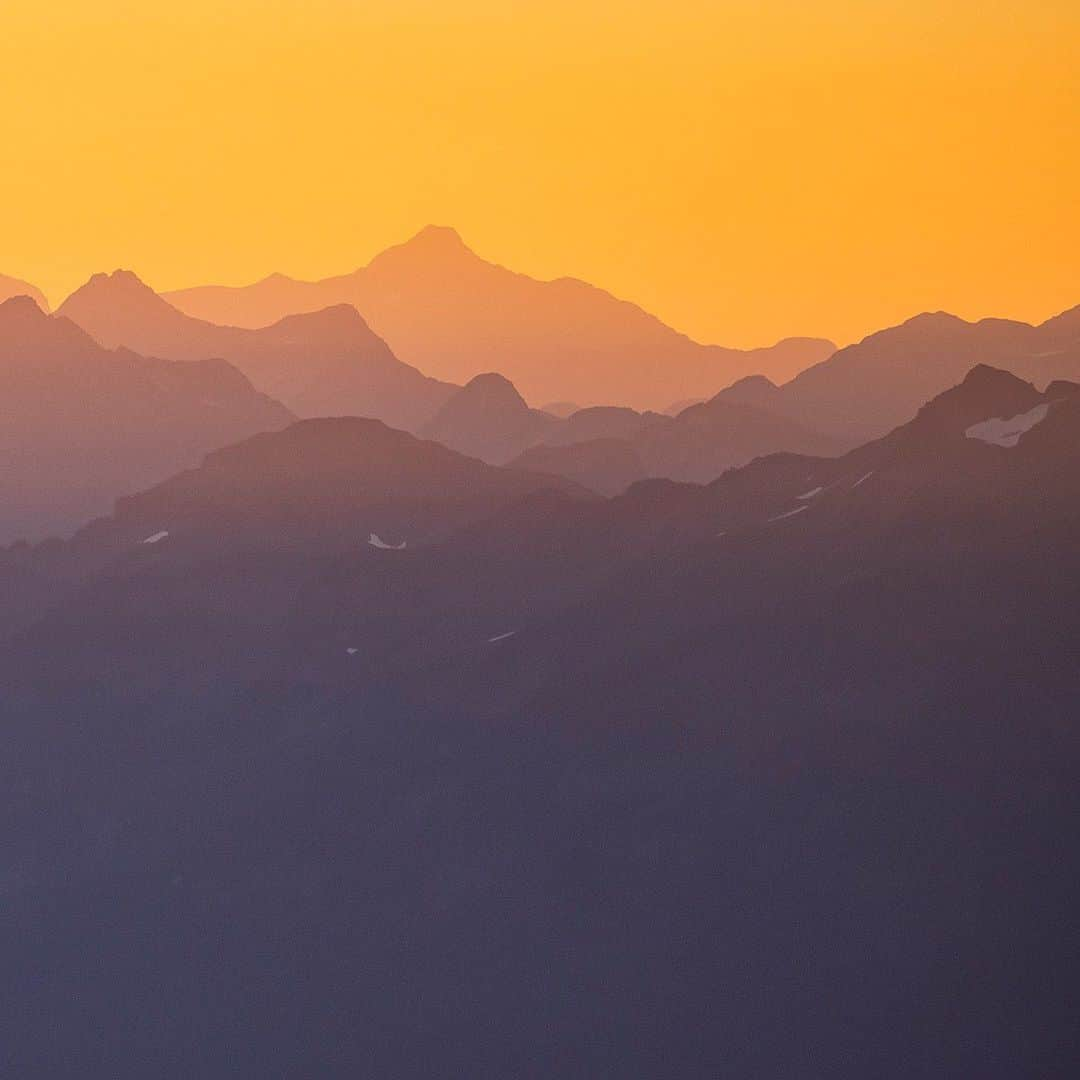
point(438, 235)
point(434, 241)
point(434, 250)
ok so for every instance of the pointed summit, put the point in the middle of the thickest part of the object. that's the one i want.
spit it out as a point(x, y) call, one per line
point(985, 392)
point(437, 238)
point(487, 418)
point(25, 326)
point(435, 249)
point(337, 321)
point(453, 313)
point(120, 309)
point(120, 283)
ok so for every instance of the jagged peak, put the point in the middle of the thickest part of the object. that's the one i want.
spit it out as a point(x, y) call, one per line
point(984, 392)
point(121, 283)
point(120, 277)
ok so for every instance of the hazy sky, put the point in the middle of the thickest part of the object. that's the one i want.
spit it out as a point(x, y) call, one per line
point(746, 169)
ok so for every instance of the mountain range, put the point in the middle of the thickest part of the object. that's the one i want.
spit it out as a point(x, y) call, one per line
point(328, 363)
point(608, 447)
point(850, 395)
point(324, 363)
point(455, 315)
point(866, 389)
point(774, 770)
point(81, 424)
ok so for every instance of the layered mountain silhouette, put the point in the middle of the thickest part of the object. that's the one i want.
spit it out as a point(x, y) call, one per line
point(602, 422)
point(81, 424)
point(323, 363)
point(705, 440)
point(454, 315)
point(10, 287)
point(992, 448)
point(696, 446)
point(771, 770)
point(864, 390)
point(605, 465)
point(489, 419)
point(608, 447)
point(377, 479)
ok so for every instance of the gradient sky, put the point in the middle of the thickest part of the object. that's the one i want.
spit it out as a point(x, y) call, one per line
point(746, 169)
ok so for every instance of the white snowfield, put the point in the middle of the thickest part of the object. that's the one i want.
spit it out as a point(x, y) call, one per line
point(376, 541)
point(813, 493)
point(501, 637)
point(157, 537)
point(351, 651)
point(1007, 433)
point(790, 513)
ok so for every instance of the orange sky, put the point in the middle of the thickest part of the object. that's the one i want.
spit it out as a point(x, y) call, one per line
point(746, 169)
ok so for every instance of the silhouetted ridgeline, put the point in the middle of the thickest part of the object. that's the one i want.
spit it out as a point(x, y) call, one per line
point(454, 315)
point(774, 776)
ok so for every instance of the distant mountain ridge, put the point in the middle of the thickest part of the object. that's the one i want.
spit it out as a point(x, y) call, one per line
point(455, 315)
point(81, 424)
point(320, 363)
point(864, 390)
point(607, 447)
point(780, 769)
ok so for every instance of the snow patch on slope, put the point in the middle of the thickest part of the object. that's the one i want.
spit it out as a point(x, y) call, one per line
point(376, 541)
point(790, 513)
point(1007, 433)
